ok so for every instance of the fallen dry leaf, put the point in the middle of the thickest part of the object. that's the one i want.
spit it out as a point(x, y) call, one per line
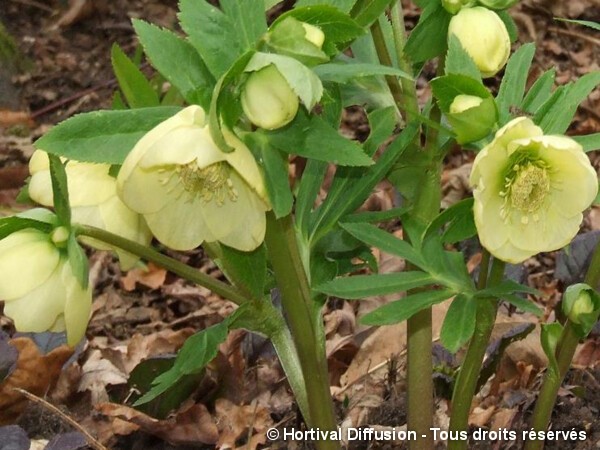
point(191, 425)
point(35, 373)
point(235, 421)
point(152, 277)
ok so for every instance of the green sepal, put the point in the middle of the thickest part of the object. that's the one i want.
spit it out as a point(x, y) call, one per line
point(582, 318)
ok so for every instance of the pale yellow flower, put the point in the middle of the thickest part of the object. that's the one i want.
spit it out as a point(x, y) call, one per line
point(189, 191)
point(484, 36)
point(94, 201)
point(40, 291)
point(268, 100)
point(530, 191)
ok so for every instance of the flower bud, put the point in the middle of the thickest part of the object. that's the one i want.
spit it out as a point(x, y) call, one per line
point(268, 100)
point(472, 117)
point(60, 237)
point(454, 6)
point(582, 305)
point(484, 36)
point(498, 4)
point(314, 34)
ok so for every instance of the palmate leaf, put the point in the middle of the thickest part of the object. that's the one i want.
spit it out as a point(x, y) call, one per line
point(102, 136)
point(403, 309)
point(512, 88)
point(360, 286)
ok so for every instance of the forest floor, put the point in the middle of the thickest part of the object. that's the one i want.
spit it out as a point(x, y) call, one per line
point(65, 70)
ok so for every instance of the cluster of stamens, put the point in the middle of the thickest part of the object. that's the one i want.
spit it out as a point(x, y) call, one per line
point(526, 186)
point(209, 183)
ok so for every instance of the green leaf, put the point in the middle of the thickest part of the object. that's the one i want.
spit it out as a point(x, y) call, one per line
point(247, 270)
point(557, 118)
point(221, 37)
point(459, 323)
point(310, 185)
point(370, 12)
point(195, 354)
point(137, 90)
point(351, 189)
point(550, 337)
point(344, 72)
point(361, 286)
point(585, 23)
point(512, 88)
point(60, 191)
point(78, 261)
point(382, 123)
point(312, 137)
point(506, 287)
point(458, 61)
point(178, 61)
point(376, 216)
point(343, 5)
point(428, 39)
point(8, 225)
point(459, 221)
point(376, 237)
point(403, 309)
point(248, 19)
point(303, 81)
point(522, 303)
point(589, 142)
point(102, 136)
point(539, 92)
point(275, 168)
point(331, 105)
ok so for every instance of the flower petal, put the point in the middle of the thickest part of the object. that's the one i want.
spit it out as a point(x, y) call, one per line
point(147, 191)
point(38, 309)
point(180, 225)
point(78, 305)
point(27, 259)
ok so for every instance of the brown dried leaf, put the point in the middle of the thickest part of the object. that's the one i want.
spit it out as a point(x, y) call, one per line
point(152, 277)
point(235, 421)
point(35, 373)
point(191, 425)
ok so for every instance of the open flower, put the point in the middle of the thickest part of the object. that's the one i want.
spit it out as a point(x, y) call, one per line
point(530, 191)
point(484, 36)
point(189, 191)
point(268, 100)
point(40, 291)
point(94, 201)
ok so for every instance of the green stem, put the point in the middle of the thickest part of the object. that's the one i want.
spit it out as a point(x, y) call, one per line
point(466, 382)
point(564, 355)
point(304, 319)
point(172, 265)
point(409, 103)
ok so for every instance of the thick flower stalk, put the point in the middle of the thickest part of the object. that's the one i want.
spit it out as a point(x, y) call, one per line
point(94, 201)
point(189, 191)
point(268, 100)
point(484, 36)
point(38, 286)
point(530, 191)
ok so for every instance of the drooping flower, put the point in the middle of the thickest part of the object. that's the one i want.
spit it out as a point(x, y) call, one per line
point(268, 100)
point(530, 191)
point(484, 36)
point(189, 191)
point(94, 201)
point(38, 286)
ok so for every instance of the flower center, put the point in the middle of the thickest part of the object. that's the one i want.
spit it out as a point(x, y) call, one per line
point(210, 183)
point(529, 188)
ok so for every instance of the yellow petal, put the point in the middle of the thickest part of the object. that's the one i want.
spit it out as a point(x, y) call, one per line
point(78, 306)
point(27, 259)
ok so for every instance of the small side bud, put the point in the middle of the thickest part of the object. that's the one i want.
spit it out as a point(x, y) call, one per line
point(60, 237)
point(582, 305)
point(498, 5)
point(314, 35)
point(464, 102)
point(454, 6)
point(268, 100)
point(472, 117)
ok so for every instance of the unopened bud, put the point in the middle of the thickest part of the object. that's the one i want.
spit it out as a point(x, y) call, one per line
point(464, 102)
point(498, 4)
point(60, 236)
point(583, 305)
point(484, 36)
point(314, 34)
point(454, 6)
point(268, 100)
point(472, 117)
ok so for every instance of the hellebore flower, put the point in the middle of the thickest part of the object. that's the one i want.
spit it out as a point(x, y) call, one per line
point(40, 291)
point(94, 201)
point(530, 191)
point(268, 100)
point(484, 36)
point(189, 191)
